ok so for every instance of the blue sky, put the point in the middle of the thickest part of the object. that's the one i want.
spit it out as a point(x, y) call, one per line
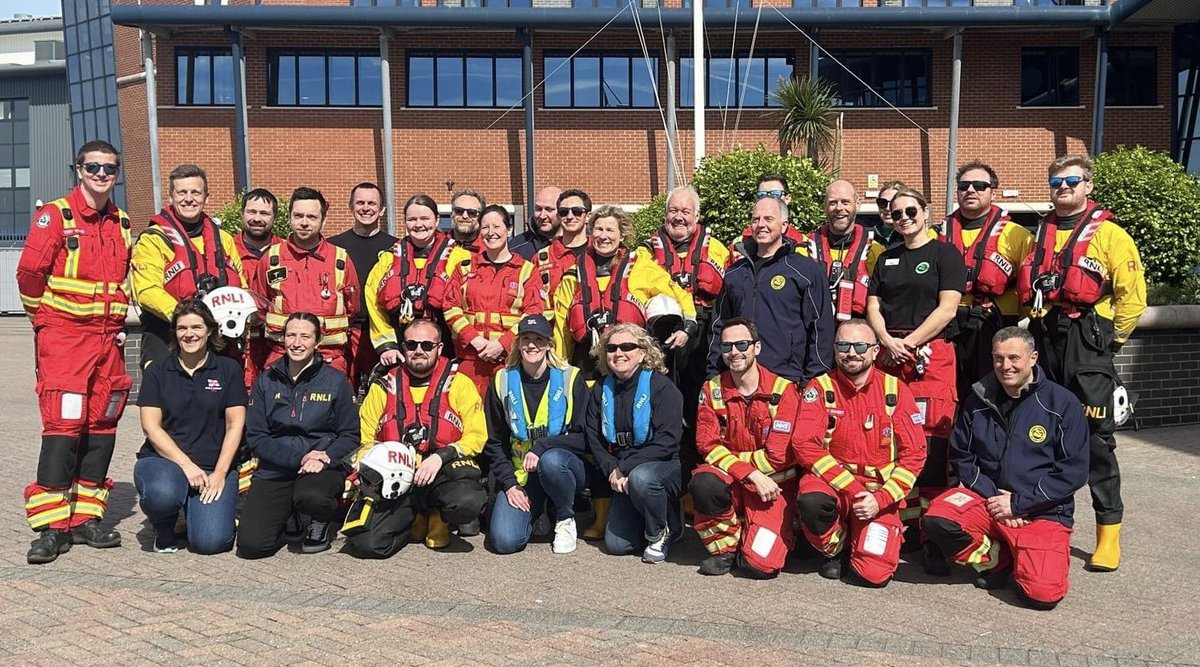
point(35, 7)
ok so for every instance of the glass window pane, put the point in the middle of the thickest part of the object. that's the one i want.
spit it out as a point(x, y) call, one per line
point(752, 73)
point(686, 89)
point(722, 80)
point(370, 80)
point(508, 82)
point(341, 80)
point(182, 72)
point(85, 65)
point(81, 34)
point(645, 82)
point(6, 181)
point(21, 131)
point(450, 81)
point(6, 157)
point(202, 80)
point(94, 33)
point(98, 92)
point(479, 82)
point(285, 91)
point(420, 81)
point(778, 70)
point(312, 79)
point(222, 92)
point(102, 123)
point(587, 82)
point(21, 154)
point(615, 87)
point(557, 88)
point(21, 178)
point(109, 61)
point(6, 132)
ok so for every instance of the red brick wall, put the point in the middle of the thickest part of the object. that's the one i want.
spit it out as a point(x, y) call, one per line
point(617, 155)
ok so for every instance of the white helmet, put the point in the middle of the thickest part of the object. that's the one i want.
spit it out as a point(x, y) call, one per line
point(1122, 406)
point(387, 469)
point(663, 316)
point(230, 306)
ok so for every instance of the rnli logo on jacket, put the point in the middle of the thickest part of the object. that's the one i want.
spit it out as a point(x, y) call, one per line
point(1092, 264)
point(810, 396)
point(320, 397)
point(172, 271)
point(778, 282)
point(453, 419)
point(1037, 433)
point(214, 385)
point(922, 268)
point(43, 220)
point(1000, 261)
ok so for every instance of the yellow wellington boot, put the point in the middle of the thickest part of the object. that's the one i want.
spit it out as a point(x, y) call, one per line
point(420, 528)
point(438, 536)
point(1107, 556)
point(596, 530)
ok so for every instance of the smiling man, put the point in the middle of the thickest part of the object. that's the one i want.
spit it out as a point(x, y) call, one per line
point(181, 255)
point(843, 248)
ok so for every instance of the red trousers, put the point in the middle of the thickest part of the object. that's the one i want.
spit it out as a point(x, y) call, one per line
point(935, 391)
point(1039, 551)
point(255, 359)
point(481, 372)
point(874, 545)
point(334, 355)
point(762, 530)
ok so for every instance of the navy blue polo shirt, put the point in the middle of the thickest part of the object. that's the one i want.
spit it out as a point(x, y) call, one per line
point(194, 405)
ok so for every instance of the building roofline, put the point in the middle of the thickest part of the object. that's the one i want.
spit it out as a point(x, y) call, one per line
point(22, 26)
point(159, 17)
point(10, 71)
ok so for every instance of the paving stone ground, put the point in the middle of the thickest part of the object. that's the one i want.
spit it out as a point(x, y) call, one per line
point(130, 606)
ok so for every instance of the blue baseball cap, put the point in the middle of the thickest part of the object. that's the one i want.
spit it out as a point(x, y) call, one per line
point(535, 324)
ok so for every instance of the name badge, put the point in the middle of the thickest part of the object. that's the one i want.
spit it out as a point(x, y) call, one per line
point(894, 261)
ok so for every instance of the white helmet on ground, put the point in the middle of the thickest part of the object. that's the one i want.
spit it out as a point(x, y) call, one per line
point(1122, 405)
point(387, 469)
point(230, 306)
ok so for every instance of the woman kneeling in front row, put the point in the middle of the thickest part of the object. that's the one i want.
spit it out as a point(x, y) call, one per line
point(302, 424)
point(634, 422)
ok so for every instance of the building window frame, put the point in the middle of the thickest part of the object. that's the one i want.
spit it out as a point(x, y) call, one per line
point(16, 208)
point(1058, 69)
point(634, 68)
point(463, 57)
point(685, 77)
point(1127, 84)
point(909, 89)
point(185, 76)
point(275, 66)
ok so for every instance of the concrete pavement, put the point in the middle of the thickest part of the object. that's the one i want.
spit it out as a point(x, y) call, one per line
point(130, 606)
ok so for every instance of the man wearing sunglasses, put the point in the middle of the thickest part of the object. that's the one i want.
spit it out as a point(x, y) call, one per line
point(1084, 285)
point(785, 294)
point(465, 206)
point(563, 252)
point(774, 185)
point(71, 277)
point(427, 404)
point(745, 490)
point(859, 434)
point(182, 254)
point(543, 226)
point(992, 246)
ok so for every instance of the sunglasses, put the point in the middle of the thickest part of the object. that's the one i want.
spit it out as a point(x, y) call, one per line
point(979, 186)
point(624, 347)
point(1056, 182)
point(425, 345)
point(778, 194)
point(94, 167)
point(859, 348)
point(882, 203)
point(468, 212)
point(576, 211)
point(909, 212)
point(741, 345)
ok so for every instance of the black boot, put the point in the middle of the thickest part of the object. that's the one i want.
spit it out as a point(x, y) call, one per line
point(993, 579)
point(48, 545)
point(469, 529)
point(935, 561)
point(831, 568)
point(715, 566)
point(91, 534)
point(318, 538)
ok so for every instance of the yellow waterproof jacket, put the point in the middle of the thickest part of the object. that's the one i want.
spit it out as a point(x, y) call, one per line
point(149, 260)
point(1014, 244)
point(1115, 250)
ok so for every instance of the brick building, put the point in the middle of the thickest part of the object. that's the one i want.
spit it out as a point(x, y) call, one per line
point(314, 89)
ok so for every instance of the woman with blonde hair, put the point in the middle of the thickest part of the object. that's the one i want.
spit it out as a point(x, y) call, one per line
point(535, 447)
point(633, 426)
point(610, 283)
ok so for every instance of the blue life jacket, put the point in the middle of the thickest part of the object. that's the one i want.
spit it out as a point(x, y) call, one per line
point(641, 410)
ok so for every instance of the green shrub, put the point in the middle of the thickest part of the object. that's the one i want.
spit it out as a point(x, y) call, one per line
point(230, 216)
point(726, 186)
point(1158, 203)
point(1182, 293)
point(650, 217)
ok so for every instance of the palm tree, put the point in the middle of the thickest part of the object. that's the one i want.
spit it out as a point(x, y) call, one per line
point(806, 116)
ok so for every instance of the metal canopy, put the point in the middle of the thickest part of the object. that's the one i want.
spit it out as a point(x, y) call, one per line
point(327, 17)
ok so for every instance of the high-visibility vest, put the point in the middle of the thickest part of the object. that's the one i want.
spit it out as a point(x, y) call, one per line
point(67, 292)
point(335, 327)
point(181, 273)
point(848, 276)
point(442, 427)
point(491, 322)
point(988, 272)
point(891, 397)
point(596, 309)
point(1069, 275)
point(758, 457)
point(697, 274)
point(550, 418)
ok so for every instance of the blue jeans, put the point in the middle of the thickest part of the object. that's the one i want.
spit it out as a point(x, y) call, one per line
point(651, 504)
point(163, 492)
point(560, 472)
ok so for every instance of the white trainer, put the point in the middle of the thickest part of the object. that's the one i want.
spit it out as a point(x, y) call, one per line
point(565, 536)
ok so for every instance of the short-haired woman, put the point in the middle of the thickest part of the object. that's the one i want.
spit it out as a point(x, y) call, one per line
point(192, 406)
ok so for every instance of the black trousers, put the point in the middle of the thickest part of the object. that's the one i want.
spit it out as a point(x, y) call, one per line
point(456, 492)
point(974, 328)
point(1076, 353)
point(687, 367)
point(270, 502)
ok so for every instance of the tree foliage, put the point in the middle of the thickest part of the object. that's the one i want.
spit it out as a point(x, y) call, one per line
point(806, 117)
point(1158, 203)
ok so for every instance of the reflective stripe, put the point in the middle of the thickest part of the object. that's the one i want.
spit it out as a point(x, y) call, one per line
point(82, 287)
point(721, 457)
point(83, 309)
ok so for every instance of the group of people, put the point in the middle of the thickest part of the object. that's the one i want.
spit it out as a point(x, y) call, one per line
point(865, 388)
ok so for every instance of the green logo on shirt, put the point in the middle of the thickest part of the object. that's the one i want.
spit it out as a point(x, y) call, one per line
point(922, 268)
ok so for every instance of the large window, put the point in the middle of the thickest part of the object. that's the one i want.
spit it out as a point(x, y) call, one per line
point(1132, 76)
point(600, 80)
point(324, 79)
point(203, 77)
point(464, 79)
point(899, 77)
point(740, 80)
point(14, 169)
point(91, 77)
point(1050, 77)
